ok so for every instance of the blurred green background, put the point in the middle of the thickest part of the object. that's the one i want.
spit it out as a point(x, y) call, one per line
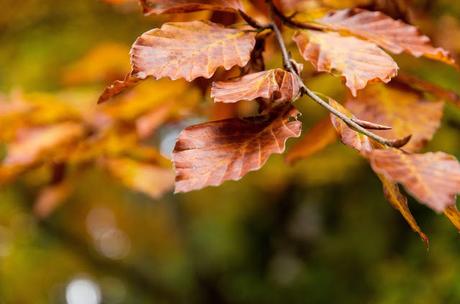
point(319, 232)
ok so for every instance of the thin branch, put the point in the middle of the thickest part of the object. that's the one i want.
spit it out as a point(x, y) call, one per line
point(353, 123)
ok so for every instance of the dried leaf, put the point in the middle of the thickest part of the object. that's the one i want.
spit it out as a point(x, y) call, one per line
point(143, 177)
point(453, 215)
point(406, 111)
point(348, 136)
point(51, 198)
point(276, 85)
point(211, 153)
point(117, 87)
point(399, 202)
point(359, 61)
point(393, 35)
point(184, 6)
point(432, 178)
point(190, 50)
point(314, 140)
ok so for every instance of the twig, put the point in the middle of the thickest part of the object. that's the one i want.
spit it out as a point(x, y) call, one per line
point(289, 21)
point(351, 122)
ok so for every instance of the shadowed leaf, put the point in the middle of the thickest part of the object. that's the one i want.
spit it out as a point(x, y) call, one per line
point(399, 202)
point(314, 140)
point(211, 153)
point(190, 50)
point(393, 35)
point(359, 61)
point(184, 6)
point(432, 178)
point(277, 85)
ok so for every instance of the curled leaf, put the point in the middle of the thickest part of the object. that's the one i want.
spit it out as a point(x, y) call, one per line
point(393, 35)
point(275, 85)
point(453, 215)
point(359, 61)
point(211, 153)
point(184, 6)
point(399, 202)
point(190, 50)
point(432, 178)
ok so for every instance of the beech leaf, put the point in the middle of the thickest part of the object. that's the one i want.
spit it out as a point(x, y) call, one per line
point(359, 61)
point(210, 153)
point(184, 6)
point(453, 215)
point(277, 85)
point(314, 140)
point(190, 50)
point(406, 111)
point(392, 35)
point(432, 178)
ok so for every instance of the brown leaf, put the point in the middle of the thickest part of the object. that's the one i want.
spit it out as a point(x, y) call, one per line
point(453, 215)
point(211, 153)
point(432, 178)
point(276, 85)
point(143, 177)
point(51, 198)
point(406, 111)
point(399, 202)
point(184, 6)
point(190, 50)
point(393, 35)
point(359, 61)
point(117, 87)
point(314, 140)
point(348, 136)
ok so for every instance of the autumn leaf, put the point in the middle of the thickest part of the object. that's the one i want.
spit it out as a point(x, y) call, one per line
point(183, 6)
point(348, 136)
point(190, 50)
point(35, 144)
point(211, 153)
point(453, 215)
point(359, 61)
point(52, 197)
point(275, 85)
point(406, 111)
point(432, 178)
point(314, 140)
point(139, 176)
point(392, 35)
point(399, 202)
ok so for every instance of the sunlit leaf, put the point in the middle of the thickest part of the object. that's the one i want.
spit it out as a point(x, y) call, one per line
point(393, 35)
point(453, 215)
point(359, 61)
point(432, 178)
point(276, 85)
point(190, 50)
point(211, 153)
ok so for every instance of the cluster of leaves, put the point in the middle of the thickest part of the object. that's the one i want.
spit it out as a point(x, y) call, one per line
point(387, 124)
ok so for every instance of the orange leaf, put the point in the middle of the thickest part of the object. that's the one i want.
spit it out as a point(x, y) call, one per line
point(144, 177)
point(316, 139)
point(399, 202)
point(190, 50)
point(211, 153)
point(277, 85)
point(453, 215)
point(348, 136)
point(51, 198)
point(359, 61)
point(432, 178)
point(395, 36)
point(406, 111)
point(183, 6)
point(118, 87)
